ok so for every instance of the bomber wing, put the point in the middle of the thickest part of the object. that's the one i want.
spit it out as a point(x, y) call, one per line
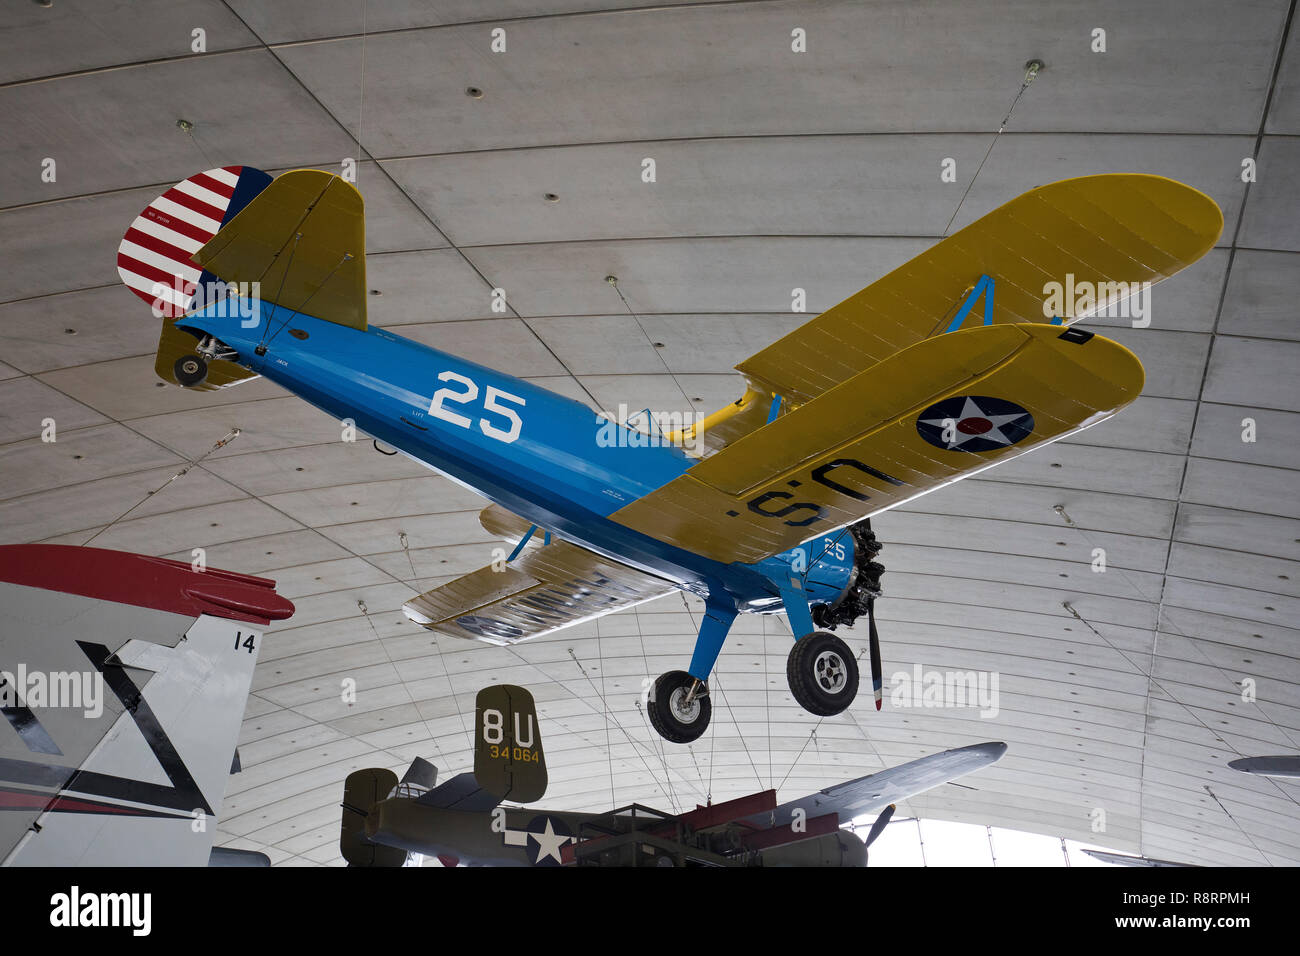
point(878, 790)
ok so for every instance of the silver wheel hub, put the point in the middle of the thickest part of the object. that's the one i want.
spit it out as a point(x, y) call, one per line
point(830, 672)
point(685, 713)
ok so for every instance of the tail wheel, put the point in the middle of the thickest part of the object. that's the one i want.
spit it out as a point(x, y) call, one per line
point(823, 674)
point(672, 717)
point(190, 370)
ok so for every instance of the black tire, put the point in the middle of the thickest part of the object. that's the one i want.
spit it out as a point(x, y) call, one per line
point(667, 718)
point(823, 674)
point(190, 370)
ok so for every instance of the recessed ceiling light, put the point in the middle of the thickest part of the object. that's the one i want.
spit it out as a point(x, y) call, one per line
point(551, 197)
point(185, 126)
point(473, 92)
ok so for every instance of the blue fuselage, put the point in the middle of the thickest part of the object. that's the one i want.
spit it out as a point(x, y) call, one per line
point(545, 457)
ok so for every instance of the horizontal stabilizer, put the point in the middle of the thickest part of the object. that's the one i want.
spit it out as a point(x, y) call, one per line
point(173, 343)
point(461, 792)
point(304, 240)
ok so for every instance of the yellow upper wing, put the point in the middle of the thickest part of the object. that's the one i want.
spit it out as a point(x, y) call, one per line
point(1115, 228)
point(929, 415)
point(304, 239)
point(1111, 228)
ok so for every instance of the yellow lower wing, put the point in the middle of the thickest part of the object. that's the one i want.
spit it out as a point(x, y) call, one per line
point(943, 409)
point(543, 590)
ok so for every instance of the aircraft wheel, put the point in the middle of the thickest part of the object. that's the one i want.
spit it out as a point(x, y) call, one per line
point(190, 370)
point(823, 674)
point(670, 715)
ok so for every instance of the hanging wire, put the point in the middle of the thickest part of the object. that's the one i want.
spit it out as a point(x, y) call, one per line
point(297, 237)
point(667, 790)
point(188, 129)
point(726, 703)
point(609, 752)
point(1032, 69)
point(613, 281)
point(433, 738)
point(347, 256)
point(230, 436)
point(1237, 825)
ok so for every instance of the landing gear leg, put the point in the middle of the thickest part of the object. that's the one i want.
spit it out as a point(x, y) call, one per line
point(679, 706)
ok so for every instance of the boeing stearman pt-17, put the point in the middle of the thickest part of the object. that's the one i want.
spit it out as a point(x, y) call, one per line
point(883, 398)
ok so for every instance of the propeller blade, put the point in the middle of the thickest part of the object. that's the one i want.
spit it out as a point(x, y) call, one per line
point(878, 827)
point(877, 684)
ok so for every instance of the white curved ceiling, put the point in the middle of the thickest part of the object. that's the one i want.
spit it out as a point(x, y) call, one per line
point(775, 170)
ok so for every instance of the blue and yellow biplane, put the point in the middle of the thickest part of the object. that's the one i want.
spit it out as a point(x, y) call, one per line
point(893, 393)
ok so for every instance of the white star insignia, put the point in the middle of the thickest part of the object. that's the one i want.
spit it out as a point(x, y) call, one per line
point(549, 843)
point(972, 410)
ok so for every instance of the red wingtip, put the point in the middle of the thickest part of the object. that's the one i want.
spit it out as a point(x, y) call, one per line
point(143, 581)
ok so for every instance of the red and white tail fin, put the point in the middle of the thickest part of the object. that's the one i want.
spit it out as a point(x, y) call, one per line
point(154, 257)
point(125, 680)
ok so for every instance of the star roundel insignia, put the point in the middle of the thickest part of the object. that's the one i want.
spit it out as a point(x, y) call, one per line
point(974, 423)
point(546, 836)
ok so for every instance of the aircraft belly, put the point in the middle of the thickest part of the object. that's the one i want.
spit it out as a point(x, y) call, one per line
point(559, 474)
point(530, 485)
